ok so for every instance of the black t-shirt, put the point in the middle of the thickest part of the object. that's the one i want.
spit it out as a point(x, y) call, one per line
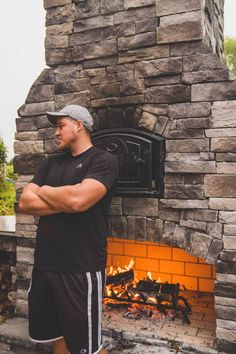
point(76, 241)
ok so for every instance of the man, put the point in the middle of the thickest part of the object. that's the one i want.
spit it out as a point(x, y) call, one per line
point(71, 193)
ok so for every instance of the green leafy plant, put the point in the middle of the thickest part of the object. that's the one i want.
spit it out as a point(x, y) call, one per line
point(7, 192)
point(3, 152)
point(230, 53)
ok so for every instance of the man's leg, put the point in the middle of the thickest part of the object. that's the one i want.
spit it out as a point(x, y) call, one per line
point(59, 347)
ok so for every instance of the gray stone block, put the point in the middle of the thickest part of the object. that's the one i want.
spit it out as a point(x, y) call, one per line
point(158, 67)
point(225, 109)
point(137, 228)
point(47, 133)
point(86, 37)
point(129, 4)
point(169, 214)
point(227, 217)
point(116, 101)
point(183, 204)
point(167, 94)
point(56, 42)
point(60, 14)
point(162, 80)
point(62, 29)
point(140, 206)
point(147, 54)
point(200, 244)
point(87, 8)
point(190, 110)
point(230, 230)
point(193, 123)
point(154, 230)
point(176, 191)
point(187, 48)
point(27, 164)
point(184, 134)
point(219, 91)
point(196, 225)
point(179, 237)
point(59, 56)
point(220, 186)
point(148, 120)
point(229, 242)
point(54, 3)
point(26, 124)
point(225, 313)
point(25, 136)
point(23, 147)
point(165, 7)
point(146, 25)
point(223, 144)
point(93, 23)
point(217, 133)
point(214, 251)
point(188, 145)
point(191, 167)
point(182, 32)
point(205, 76)
point(119, 226)
point(214, 229)
point(133, 15)
point(202, 62)
point(95, 50)
point(107, 90)
point(222, 203)
point(82, 98)
point(138, 41)
point(35, 109)
point(119, 30)
point(108, 6)
point(226, 167)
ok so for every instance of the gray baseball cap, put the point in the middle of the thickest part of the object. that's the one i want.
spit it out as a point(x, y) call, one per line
point(75, 112)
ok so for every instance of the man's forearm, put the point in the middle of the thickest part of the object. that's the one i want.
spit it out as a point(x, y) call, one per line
point(59, 197)
point(30, 203)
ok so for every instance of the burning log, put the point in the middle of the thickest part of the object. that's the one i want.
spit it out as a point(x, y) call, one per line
point(153, 295)
point(120, 278)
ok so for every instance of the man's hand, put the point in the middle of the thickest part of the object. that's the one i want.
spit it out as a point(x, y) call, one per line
point(31, 203)
point(73, 198)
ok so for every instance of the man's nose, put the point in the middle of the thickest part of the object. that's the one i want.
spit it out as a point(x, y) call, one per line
point(57, 132)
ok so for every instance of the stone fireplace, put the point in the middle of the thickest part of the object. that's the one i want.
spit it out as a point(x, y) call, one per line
point(155, 66)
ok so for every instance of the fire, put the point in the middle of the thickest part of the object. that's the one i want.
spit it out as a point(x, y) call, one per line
point(147, 297)
point(119, 269)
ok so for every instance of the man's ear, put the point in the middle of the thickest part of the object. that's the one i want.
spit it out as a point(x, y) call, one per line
point(79, 125)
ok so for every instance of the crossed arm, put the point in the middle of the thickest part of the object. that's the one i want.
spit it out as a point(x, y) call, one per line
point(46, 200)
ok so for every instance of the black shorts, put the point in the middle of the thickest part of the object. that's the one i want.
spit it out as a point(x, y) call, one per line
point(69, 306)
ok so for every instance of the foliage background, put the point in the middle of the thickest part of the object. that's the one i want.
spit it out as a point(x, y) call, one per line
point(7, 183)
point(230, 53)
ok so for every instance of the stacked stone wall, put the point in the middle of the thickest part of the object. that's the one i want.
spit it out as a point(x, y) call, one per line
point(148, 64)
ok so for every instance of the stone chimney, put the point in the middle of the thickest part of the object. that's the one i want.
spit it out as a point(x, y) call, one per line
point(153, 65)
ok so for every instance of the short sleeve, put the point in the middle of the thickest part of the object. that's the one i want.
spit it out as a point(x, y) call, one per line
point(104, 168)
point(41, 174)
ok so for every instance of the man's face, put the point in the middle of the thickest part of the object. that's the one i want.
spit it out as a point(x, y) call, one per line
point(66, 132)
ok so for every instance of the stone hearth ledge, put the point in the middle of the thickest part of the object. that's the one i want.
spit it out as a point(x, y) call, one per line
point(14, 339)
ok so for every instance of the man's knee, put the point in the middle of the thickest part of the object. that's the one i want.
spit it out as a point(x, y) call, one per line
point(59, 347)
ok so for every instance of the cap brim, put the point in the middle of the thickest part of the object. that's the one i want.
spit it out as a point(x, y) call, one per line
point(52, 116)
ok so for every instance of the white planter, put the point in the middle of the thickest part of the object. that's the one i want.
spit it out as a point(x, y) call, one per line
point(7, 223)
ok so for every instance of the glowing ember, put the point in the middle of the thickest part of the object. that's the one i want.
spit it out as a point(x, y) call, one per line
point(145, 297)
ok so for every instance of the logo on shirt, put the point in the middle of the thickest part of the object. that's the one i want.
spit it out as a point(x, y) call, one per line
point(83, 351)
point(79, 165)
